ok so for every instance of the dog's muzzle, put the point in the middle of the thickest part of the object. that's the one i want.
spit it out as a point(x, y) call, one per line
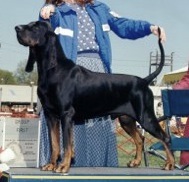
point(18, 28)
point(20, 35)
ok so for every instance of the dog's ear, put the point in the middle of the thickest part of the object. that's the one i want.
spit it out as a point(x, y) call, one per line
point(53, 53)
point(31, 60)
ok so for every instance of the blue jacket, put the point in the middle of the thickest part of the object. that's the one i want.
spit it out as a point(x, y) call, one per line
point(64, 22)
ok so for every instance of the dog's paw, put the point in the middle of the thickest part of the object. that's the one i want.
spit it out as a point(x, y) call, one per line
point(62, 169)
point(169, 166)
point(133, 163)
point(48, 167)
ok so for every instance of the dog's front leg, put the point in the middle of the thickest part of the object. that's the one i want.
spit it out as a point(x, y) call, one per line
point(67, 129)
point(54, 130)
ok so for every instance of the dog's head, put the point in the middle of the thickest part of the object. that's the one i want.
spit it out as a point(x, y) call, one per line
point(34, 34)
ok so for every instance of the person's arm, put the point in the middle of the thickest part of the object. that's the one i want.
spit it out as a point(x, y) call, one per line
point(131, 29)
point(50, 13)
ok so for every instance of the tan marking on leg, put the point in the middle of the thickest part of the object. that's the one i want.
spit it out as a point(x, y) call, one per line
point(55, 148)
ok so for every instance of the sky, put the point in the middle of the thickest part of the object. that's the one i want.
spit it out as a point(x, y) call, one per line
point(129, 56)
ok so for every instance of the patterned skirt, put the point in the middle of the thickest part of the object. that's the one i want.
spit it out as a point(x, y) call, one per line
point(94, 141)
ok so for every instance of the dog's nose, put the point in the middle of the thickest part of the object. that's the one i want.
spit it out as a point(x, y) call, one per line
point(18, 28)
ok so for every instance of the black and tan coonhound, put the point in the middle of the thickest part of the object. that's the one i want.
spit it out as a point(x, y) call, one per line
point(69, 93)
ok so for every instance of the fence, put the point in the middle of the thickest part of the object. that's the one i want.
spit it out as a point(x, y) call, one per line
point(126, 147)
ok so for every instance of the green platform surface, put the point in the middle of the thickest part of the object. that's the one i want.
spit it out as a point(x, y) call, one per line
point(97, 174)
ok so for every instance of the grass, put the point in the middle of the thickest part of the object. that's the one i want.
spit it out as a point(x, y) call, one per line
point(127, 151)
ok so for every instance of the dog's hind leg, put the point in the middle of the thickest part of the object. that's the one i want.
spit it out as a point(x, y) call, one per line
point(67, 128)
point(54, 131)
point(129, 126)
point(152, 126)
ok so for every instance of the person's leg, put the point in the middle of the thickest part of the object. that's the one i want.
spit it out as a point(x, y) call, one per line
point(184, 84)
point(95, 141)
point(184, 157)
point(45, 150)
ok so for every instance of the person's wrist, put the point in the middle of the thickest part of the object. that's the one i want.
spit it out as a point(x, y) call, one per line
point(153, 28)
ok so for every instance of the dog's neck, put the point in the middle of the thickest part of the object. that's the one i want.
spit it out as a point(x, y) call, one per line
point(53, 52)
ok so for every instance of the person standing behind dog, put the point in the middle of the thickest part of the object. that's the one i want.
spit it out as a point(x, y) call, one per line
point(183, 84)
point(82, 27)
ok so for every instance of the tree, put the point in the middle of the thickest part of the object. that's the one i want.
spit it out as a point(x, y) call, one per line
point(24, 78)
point(7, 78)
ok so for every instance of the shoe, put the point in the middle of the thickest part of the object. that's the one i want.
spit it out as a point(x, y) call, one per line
point(183, 83)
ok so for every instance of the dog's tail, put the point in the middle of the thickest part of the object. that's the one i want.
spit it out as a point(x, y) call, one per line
point(153, 75)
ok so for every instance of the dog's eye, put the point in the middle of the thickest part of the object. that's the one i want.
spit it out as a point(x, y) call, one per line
point(35, 28)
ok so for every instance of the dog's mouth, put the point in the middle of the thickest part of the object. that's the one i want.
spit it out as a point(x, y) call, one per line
point(21, 41)
point(24, 40)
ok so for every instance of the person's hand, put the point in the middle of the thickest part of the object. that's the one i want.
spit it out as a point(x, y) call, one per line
point(154, 30)
point(47, 11)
